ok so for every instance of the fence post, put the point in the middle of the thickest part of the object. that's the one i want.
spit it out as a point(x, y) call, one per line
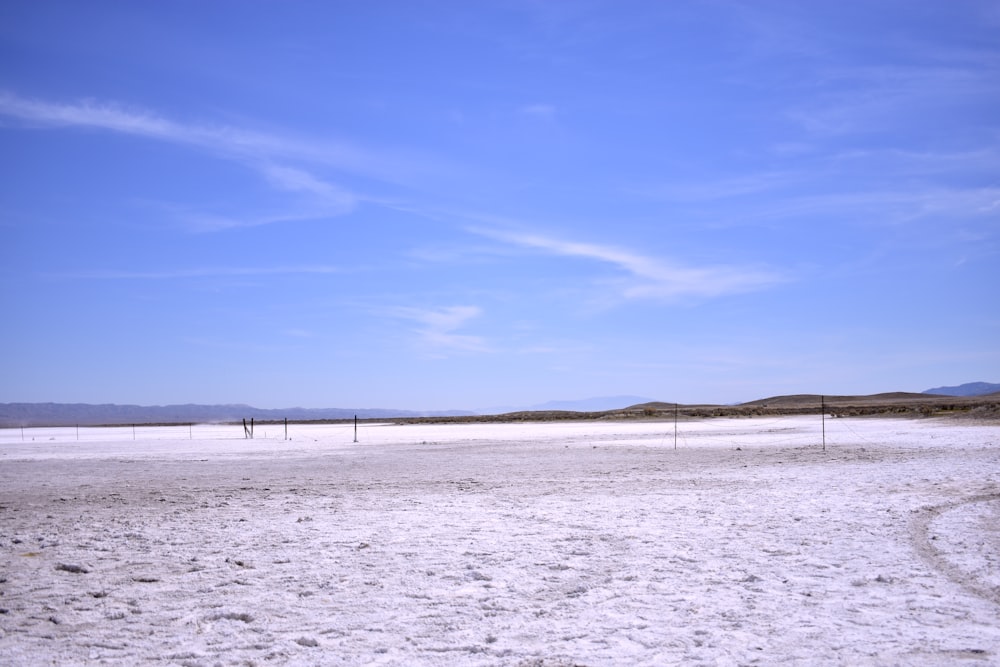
point(675, 426)
point(822, 410)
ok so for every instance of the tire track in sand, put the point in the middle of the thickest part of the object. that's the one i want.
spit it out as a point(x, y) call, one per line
point(924, 543)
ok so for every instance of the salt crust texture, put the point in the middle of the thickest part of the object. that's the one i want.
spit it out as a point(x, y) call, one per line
point(545, 544)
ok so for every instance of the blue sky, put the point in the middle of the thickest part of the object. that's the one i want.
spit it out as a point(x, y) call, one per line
point(461, 205)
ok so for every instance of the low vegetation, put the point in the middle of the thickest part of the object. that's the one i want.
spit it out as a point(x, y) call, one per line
point(890, 405)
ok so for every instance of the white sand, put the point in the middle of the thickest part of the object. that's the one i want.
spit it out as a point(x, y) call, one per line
point(531, 544)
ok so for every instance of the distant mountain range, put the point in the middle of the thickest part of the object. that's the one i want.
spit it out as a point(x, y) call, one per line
point(85, 414)
point(967, 389)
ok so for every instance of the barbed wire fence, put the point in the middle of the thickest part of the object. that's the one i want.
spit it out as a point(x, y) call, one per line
point(678, 432)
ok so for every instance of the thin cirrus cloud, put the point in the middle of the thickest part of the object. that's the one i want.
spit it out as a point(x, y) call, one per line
point(648, 277)
point(437, 328)
point(206, 222)
point(317, 199)
point(888, 207)
point(727, 188)
point(263, 153)
point(204, 272)
point(298, 180)
point(864, 99)
point(538, 110)
point(230, 141)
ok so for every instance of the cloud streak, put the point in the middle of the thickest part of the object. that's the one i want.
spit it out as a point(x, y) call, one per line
point(886, 207)
point(223, 140)
point(267, 155)
point(877, 98)
point(538, 110)
point(648, 277)
point(204, 272)
point(719, 189)
point(437, 328)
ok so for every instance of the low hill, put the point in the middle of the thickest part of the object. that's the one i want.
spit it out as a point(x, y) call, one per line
point(798, 400)
point(595, 404)
point(598, 404)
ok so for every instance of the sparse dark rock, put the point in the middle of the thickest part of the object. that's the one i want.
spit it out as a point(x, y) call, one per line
point(69, 567)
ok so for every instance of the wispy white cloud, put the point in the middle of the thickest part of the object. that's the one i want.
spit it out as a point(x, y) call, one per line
point(924, 161)
point(202, 272)
point(299, 333)
point(648, 277)
point(716, 188)
point(90, 113)
point(266, 154)
point(886, 207)
point(879, 98)
point(232, 142)
point(298, 180)
point(881, 186)
point(538, 110)
point(436, 328)
point(210, 222)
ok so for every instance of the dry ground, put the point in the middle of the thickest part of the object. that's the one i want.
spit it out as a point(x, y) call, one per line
point(528, 544)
